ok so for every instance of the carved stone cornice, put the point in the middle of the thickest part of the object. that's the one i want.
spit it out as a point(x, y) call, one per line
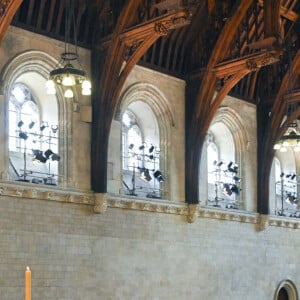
point(43, 192)
point(150, 205)
point(281, 222)
point(102, 202)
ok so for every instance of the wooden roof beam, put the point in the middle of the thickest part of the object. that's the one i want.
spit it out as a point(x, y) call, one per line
point(251, 62)
point(284, 12)
point(7, 12)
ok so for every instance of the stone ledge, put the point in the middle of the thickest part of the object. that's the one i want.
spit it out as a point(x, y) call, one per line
point(101, 202)
point(147, 204)
point(45, 192)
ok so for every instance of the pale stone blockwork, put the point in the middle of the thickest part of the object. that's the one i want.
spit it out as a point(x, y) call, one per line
point(82, 245)
point(129, 254)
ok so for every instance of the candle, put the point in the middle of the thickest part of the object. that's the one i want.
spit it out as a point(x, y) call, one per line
point(27, 284)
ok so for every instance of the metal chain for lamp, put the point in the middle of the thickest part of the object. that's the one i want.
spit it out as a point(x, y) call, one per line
point(69, 75)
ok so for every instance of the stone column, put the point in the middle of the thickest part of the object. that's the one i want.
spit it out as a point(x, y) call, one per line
point(4, 154)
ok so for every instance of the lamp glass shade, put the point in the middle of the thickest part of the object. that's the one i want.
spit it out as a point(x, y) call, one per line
point(68, 93)
point(86, 92)
point(286, 144)
point(68, 80)
point(86, 84)
point(276, 146)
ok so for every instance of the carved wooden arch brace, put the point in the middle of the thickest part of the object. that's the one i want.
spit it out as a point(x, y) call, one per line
point(8, 9)
point(133, 43)
point(200, 123)
point(271, 131)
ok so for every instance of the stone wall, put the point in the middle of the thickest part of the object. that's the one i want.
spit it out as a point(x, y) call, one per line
point(136, 248)
point(125, 254)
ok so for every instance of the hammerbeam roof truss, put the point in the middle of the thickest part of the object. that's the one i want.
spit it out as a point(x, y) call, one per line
point(240, 47)
point(185, 51)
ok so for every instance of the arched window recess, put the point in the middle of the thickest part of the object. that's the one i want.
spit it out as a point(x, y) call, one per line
point(33, 144)
point(226, 185)
point(41, 123)
point(141, 160)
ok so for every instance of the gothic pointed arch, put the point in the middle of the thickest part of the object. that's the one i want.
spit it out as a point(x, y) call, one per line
point(32, 69)
point(143, 94)
point(228, 127)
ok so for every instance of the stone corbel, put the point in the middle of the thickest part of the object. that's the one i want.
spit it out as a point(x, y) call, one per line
point(100, 203)
point(262, 222)
point(193, 212)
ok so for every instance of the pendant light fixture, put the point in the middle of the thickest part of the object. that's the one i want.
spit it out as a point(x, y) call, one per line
point(66, 74)
point(291, 139)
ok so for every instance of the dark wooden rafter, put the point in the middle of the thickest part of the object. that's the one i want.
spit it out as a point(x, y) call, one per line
point(30, 12)
point(90, 10)
point(197, 22)
point(40, 14)
point(255, 31)
point(51, 16)
point(266, 24)
point(287, 13)
point(8, 9)
point(127, 45)
point(172, 40)
point(177, 47)
point(197, 129)
point(81, 9)
point(271, 17)
point(59, 16)
point(279, 107)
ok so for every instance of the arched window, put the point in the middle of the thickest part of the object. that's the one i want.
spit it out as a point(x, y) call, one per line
point(144, 107)
point(286, 185)
point(131, 139)
point(286, 290)
point(283, 294)
point(33, 144)
point(26, 74)
point(23, 110)
point(212, 158)
point(140, 153)
point(223, 170)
